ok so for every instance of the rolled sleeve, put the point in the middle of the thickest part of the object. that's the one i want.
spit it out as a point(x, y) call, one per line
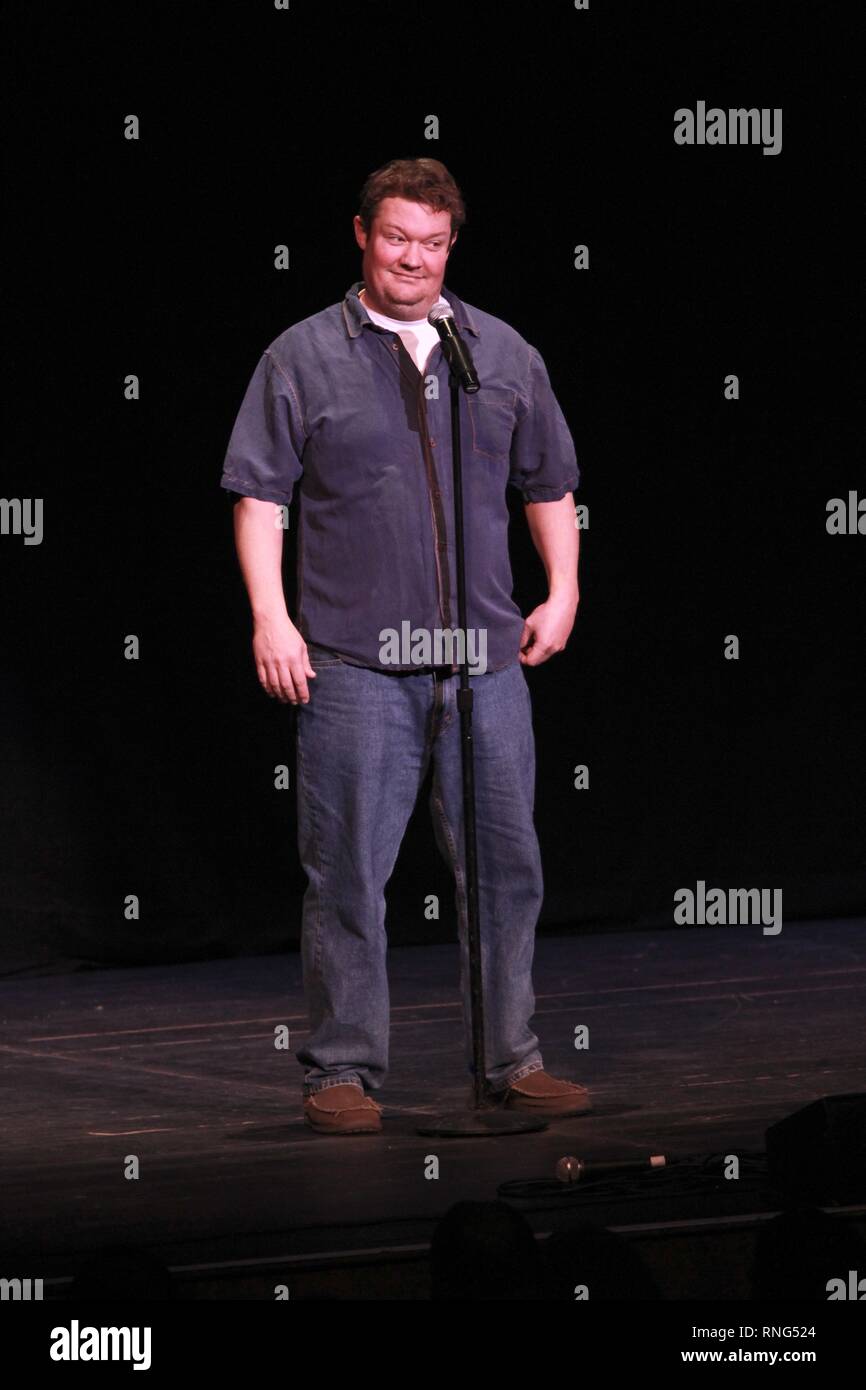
point(264, 454)
point(543, 461)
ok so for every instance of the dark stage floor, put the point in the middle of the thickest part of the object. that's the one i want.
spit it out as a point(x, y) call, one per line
point(699, 1039)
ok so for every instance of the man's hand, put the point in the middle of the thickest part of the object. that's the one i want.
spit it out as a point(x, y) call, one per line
point(547, 628)
point(557, 540)
point(280, 654)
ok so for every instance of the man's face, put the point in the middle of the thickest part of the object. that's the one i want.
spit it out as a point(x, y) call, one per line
point(403, 265)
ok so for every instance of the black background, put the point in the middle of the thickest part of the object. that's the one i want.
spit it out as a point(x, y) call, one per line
point(707, 517)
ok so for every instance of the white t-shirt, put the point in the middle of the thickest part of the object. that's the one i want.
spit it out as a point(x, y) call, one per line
point(419, 336)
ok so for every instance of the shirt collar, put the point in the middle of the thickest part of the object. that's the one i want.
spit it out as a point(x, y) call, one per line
point(355, 315)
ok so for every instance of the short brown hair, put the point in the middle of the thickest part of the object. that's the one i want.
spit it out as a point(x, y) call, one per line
point(420, 181)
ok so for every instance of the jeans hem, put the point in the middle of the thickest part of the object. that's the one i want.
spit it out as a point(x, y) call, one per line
point(517, 1076)
point(348, 1079)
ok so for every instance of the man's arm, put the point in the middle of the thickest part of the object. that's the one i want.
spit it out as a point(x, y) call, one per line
point(279, 650)
point(557, 540)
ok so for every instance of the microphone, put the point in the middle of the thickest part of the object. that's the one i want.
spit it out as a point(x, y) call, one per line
point(570, 1169)
point(457, 354)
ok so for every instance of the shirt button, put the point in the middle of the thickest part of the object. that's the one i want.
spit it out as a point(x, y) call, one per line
point(432, 441)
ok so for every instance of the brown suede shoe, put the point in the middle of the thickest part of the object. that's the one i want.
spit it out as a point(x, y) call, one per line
point(547, 1095)
point(342, 1110)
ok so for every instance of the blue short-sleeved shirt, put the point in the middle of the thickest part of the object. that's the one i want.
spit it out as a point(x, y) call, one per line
point(337, 407)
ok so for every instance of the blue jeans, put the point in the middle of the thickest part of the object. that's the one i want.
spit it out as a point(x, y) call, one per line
point(364, 743)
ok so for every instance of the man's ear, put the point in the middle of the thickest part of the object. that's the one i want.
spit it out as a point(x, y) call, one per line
point(360, 234)
point(451, 246)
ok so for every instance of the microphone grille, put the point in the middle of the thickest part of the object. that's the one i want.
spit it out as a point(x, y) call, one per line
point(440, 311)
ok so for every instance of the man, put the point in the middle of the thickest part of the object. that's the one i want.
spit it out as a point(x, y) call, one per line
point(352, 405)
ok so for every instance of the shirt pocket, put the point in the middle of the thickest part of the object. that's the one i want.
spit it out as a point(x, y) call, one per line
point(492, 421)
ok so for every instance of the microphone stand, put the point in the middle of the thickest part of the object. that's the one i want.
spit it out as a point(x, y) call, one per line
point(483, 1119)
